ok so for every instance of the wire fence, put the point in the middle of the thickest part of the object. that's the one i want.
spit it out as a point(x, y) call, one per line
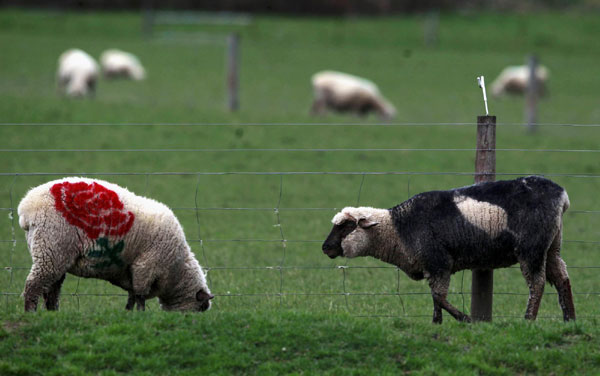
point(286, 236)
point(288, 124)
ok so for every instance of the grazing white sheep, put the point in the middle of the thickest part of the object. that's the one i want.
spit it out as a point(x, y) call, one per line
point(95, 229)
point(515, 80)
point(77, 73)
point(347, 93)
point(116, 63)
point(484, 226)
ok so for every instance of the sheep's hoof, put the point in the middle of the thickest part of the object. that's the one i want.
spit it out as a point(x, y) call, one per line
point(530, 317)
point(466, 318)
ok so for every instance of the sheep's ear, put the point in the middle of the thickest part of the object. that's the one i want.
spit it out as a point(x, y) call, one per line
point(365, 223)
point(350, 217)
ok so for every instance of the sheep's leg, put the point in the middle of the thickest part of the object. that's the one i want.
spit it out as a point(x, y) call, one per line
point(437, 312)
point(318, 107)
point(52, 296)
point(535, 281)
point(141, 302)
point(556, 273)
point(39, 281)
point(439, 291)
point(130, 301)
point(142, 276)
point(51, 260)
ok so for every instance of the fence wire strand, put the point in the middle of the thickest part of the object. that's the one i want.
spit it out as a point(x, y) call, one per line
point(293, 150)
point(288, 124)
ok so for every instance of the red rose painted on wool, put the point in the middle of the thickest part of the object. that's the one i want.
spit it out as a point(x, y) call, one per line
point(93, 208)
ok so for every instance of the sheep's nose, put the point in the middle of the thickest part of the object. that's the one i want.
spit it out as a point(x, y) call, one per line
point(205, 305)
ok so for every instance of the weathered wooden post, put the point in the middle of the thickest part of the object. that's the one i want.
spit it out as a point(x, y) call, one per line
point(531, 95)
point(482, 281)
point(233, 71)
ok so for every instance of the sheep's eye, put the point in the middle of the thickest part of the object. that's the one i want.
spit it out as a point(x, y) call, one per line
point(347, 228)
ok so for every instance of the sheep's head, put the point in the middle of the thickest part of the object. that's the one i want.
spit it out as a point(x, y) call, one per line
point(80, 85)
point(198, 301)
point(191, 292)
point(203, 295)
point(352, 234)
point(204, 298)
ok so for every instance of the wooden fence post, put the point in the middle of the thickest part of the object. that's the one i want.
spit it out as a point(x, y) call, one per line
point(531, 95)
point(233, 72)
point(482, 281)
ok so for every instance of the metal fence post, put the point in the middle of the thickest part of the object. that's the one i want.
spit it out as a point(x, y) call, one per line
point(147, 18)
point(482, 282)
point(531, 95)
point(431, 28)
point(233, 71)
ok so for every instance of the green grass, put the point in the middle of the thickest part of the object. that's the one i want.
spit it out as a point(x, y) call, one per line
point(287, 342)
point(250, 322)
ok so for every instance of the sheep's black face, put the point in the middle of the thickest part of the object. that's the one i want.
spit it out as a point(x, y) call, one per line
point(332, 246)
point(204, 299)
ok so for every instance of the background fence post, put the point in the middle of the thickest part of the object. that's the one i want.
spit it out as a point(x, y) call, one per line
point(531, 95)
point(233, 71)
point(431, 28)
point(147, 18)
point(482, 281)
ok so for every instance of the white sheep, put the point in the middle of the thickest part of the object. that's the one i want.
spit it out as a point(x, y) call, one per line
point(77, 73)
point(484, 226)
point(515, 80)
point(347, 93)
point(116, 63)
point(95, 229)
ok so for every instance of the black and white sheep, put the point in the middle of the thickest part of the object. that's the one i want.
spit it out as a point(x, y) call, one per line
point(77, 73)
point(484, 226)
point(343, 92)
point(120, 64)
point(95, 229)
point(515, 80)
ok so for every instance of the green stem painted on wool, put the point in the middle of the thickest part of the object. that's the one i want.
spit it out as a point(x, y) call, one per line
point(111, 255)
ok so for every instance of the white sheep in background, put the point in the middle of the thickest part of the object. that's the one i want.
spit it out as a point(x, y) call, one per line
point(77, 73)
point(484, 226)
point(95, 229)
point(116, 63)
point(347, 93)
point(515, 80)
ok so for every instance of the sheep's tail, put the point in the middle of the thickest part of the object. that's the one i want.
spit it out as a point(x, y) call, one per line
point(564, 201)
point(34, 202)
point(24, 220)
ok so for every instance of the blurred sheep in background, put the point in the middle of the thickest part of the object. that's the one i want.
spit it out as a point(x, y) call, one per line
point(77, 73)
point(120, 64)
point(515, 79)
point(347, 93)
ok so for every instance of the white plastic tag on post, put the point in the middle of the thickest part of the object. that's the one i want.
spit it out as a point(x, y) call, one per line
point(481, 82)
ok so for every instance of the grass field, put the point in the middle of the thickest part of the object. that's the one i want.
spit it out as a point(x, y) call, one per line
point(274, 294)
